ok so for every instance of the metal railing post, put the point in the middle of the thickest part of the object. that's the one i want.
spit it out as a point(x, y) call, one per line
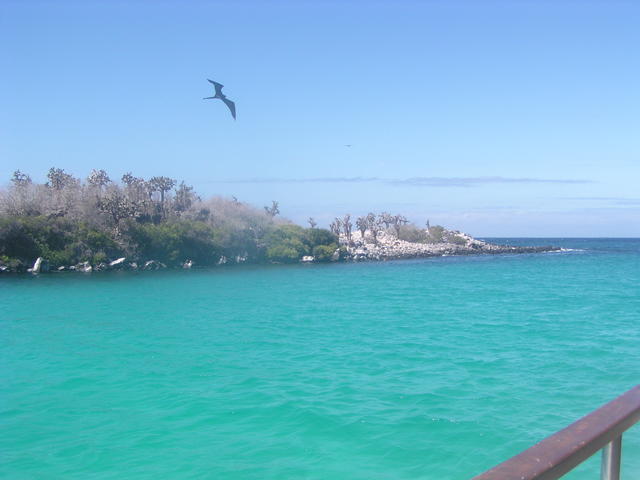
point(610, 467)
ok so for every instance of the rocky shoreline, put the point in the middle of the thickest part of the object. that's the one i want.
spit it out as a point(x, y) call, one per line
point(386, 246)
point(358, 247)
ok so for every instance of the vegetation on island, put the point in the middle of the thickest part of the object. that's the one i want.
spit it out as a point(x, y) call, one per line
point(398, 225)
point(68, 220)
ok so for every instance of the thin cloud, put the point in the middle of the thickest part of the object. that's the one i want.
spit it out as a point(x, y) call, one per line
point(410, 182)
point(614, 200)
point(474, 181)
point(629, 201)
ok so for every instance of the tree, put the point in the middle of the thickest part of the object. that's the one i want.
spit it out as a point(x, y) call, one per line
point(184, 198)
point(312, 222)
point(22, 197)
point(59, 179)
point(347, 226)
point(63, 193)
point(130, 181)
point(336, 227)
point(98, 179)
point(398, 221)
point(136, 191)
point(117, 207)
point(373, 225)
point(273, 210)
point(20, 179)
point(162, 185)
point(386, 218)
point(135, 188)
point(361, 224)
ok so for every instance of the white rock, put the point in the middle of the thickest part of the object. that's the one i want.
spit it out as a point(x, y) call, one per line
point(153, 265)
point(37, 265)
point(118, 262)
point(84, 267)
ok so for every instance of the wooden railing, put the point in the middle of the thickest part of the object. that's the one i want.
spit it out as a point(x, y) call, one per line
point(561, 452)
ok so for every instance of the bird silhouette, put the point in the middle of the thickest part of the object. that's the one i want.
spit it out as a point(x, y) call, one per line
point(223, 97)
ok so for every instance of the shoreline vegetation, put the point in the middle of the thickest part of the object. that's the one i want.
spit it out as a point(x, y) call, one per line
point(69, 224)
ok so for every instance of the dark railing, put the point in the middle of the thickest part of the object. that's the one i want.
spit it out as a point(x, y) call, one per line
point(561, 452)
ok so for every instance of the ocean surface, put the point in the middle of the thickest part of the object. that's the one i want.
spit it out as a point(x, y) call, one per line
point(419, 369)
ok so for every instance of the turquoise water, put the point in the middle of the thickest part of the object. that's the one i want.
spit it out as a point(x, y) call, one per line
point(425, 369)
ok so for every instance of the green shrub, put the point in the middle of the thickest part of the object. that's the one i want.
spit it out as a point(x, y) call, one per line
point(61, 241)
point(99, 257)
point(323, 253)
point(174, 242)
point(286, 243)
point(436, 234)
point(68, 256)
point(320, 236)
point(17, 240)
point(284, 253)
point(97, 240)
point(411, 233)
point(456, 240)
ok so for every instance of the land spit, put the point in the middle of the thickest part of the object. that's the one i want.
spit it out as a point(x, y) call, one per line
point(386, 246)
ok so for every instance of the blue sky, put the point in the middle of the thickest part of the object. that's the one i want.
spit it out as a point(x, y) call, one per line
point(513, 118)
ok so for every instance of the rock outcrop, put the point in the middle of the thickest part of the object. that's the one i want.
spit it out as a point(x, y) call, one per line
point(386, 246)
point(84, 267)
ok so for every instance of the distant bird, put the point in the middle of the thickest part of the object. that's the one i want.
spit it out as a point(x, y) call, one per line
point(223, 97)
point(349, 145)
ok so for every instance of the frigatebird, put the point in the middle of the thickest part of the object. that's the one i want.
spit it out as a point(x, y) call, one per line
point(223, 97)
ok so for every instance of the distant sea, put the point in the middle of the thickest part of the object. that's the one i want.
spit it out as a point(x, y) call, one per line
point(419, 369)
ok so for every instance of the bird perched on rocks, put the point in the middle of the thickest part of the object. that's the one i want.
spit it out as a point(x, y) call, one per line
point(223, 97)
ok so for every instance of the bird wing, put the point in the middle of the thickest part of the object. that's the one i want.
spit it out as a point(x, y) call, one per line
point(218, 86)
point(231, 105)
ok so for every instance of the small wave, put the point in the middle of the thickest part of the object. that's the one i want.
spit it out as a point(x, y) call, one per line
point(566, 250)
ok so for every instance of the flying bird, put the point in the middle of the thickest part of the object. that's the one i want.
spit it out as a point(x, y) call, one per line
point(223, 97)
